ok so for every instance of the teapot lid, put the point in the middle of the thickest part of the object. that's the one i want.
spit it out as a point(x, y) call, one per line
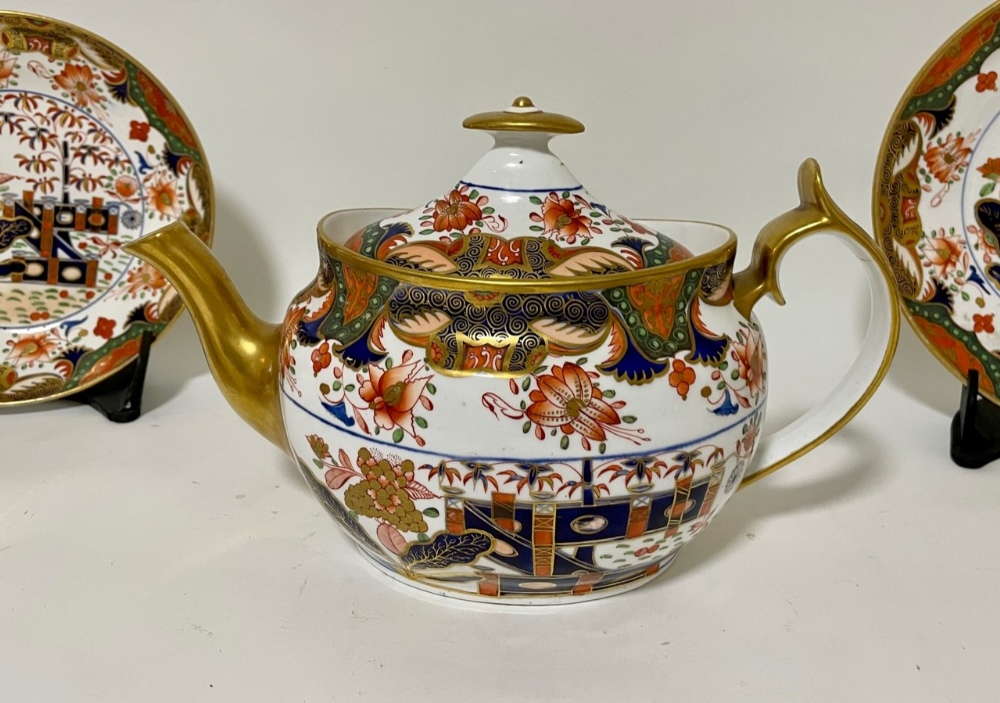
point(518, 213)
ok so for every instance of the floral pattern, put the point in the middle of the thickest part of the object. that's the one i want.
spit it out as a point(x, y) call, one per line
point(563, 219)
point(380, 487)
point(387, 397)
point(80, 82)
point(567, 402)
point(462, 211)
point(83, 167)
point(936, 195)
point(947, 160)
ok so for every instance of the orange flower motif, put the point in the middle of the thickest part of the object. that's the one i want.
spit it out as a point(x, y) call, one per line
point(162, 196)
point(144, 278)
point(983, 323)
point(455, 213)
point(562, 219)
point(29, 348)
point(393, 393)
point(7, 61)
point(321, 357)
point(105, 327)
point(126, 186)
point(567, 399)
point(986, 81)
point(946, 160)
point(944, 252)
point(78, 81)
point(681, 378)
point(749, 354)
point(990, 169)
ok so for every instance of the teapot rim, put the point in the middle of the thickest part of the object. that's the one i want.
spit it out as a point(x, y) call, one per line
point(722, 253)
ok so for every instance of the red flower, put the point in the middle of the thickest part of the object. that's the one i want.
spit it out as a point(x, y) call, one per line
point(392, 394)
point(946, 160)
point(561, 218)
point(321, 357)
point(139, 130)
point(983, 323)
point(681, 378)
point(567, 399)
point(986, 81)
point(105, 328)
point(455, 213)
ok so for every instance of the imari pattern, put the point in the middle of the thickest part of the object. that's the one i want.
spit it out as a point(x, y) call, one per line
point(937, 204)
point(93, 153)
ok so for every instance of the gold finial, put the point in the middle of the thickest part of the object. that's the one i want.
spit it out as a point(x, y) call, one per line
point(523, 116)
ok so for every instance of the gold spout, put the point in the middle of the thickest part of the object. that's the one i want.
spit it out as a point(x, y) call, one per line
point(241, 349)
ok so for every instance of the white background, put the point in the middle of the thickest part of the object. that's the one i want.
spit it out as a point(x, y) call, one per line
point(181, 558)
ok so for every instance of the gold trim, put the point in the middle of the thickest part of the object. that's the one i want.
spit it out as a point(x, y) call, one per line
point(816, 212)
point(241, 349)
point(564, 284)
point(209, 220)
point(522, 118)
point(877, 202)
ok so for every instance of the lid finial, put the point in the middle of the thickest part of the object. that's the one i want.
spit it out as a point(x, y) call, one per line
point(523, 116)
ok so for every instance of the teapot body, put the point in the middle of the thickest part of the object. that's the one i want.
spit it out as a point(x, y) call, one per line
point(543, 442)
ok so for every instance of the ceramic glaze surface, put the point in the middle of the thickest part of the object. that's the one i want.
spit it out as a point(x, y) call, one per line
point(513, 394)
point(93, 152)
point(938, 206)
point(571, 470)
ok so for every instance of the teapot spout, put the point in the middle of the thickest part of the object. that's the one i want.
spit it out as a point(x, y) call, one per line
point(241, 349)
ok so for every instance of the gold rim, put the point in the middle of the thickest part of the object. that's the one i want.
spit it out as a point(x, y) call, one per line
point(817, 212)
point(720, 254)
point(209, 220)
point(877, 201)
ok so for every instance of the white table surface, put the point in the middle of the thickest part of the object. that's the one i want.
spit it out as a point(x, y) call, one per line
point(181, 558)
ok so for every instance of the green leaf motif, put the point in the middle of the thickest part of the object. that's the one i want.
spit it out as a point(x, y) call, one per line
point(431, 388)
point(397, 436)
point(535, 199)
point(564, 442)
point(446, 549)
point(987, 189)
point(421, 422)
point(431, 512)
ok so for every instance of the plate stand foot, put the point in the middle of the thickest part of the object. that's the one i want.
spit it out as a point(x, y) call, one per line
point(119, 397)
point(975, 431)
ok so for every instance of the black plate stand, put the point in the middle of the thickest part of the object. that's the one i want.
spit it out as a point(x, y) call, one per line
point(119, 397)
point(975, 431)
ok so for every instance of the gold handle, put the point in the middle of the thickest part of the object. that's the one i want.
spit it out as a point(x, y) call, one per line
point(817, 212)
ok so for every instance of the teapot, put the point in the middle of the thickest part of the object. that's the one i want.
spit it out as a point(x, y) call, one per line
point(512, 393)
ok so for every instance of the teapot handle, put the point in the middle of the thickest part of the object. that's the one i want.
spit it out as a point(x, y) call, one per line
point(817, 212)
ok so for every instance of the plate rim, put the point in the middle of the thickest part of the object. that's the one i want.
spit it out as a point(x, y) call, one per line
point(877, 200)
point(210, 220)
